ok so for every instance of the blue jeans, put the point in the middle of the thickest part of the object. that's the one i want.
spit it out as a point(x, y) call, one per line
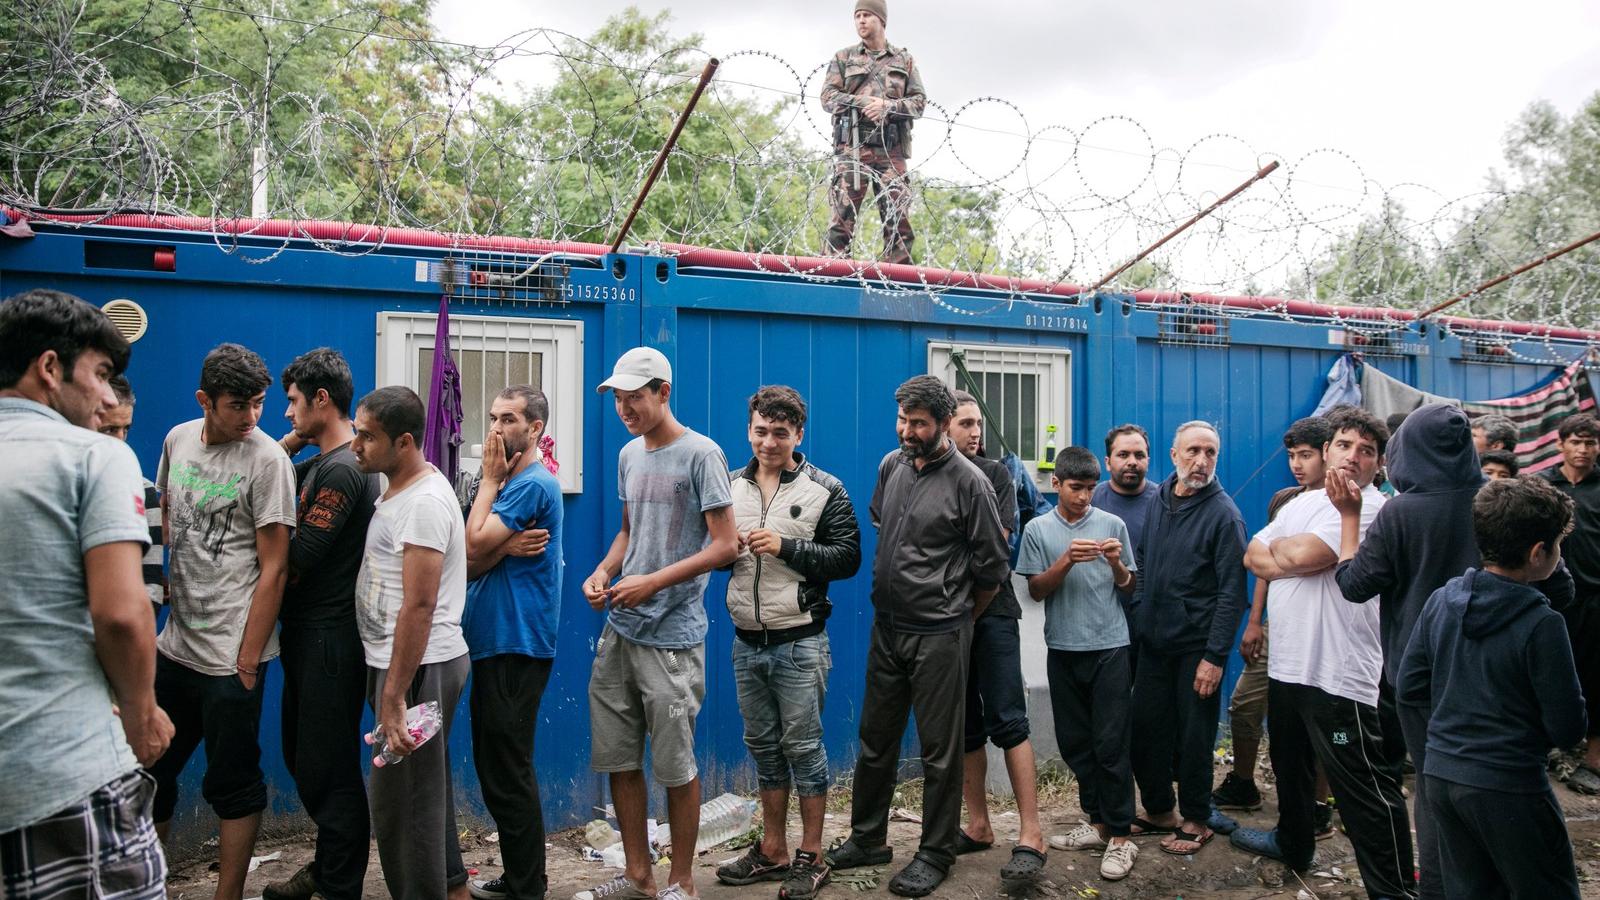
point(781, 689)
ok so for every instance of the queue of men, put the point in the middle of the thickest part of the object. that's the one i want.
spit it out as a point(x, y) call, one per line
point(361, 574)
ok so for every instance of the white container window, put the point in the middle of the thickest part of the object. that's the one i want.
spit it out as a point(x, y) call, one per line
point(493, 353)
point(1027, 389)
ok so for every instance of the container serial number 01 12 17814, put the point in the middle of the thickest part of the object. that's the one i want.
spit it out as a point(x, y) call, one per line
point(601, 292)
point(1056, 323)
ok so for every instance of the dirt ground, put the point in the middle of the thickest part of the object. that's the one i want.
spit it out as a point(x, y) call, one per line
point(1218, 871)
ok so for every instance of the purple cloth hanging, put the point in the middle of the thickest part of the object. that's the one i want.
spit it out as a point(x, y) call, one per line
point(441, 441)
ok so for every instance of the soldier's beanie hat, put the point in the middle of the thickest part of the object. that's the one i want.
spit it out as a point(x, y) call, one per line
point(879, 8)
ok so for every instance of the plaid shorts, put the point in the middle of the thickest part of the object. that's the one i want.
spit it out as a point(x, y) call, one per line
point(105, 847)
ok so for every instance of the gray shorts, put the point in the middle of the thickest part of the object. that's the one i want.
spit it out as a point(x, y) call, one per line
point(637, 691)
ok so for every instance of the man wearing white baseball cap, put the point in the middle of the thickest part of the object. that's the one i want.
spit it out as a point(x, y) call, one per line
point(649, 670)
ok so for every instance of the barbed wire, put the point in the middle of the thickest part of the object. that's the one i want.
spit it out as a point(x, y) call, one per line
point(309, 110)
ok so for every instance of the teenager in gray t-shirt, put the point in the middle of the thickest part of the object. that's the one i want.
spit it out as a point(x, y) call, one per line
point(1084, 613)
point(648, 676)
point(216, 497)
point(668, 491)
point(228, 493)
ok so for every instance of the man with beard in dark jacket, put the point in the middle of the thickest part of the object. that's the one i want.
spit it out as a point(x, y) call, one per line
point(1419, 540)
point(1190, 596)
point(941, 557)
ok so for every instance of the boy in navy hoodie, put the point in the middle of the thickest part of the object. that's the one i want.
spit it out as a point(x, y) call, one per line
point(1489, 664)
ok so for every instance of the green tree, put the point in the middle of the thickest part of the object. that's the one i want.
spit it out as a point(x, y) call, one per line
point(1548, 196)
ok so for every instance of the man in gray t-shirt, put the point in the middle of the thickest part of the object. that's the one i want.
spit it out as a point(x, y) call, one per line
point(78, 715)
point(228, 493)
point(648, 676)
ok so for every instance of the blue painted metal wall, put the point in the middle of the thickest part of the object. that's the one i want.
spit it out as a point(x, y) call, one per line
point(845, 348)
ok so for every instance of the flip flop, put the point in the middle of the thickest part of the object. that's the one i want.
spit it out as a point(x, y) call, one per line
point(1143, 827)
point(1026, 863)
point(965, 844)
point(1182, 835)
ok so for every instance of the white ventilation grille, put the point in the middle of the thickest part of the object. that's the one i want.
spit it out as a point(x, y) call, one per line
point(129, 317)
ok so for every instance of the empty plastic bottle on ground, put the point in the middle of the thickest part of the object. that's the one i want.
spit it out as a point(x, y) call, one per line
point(724, 819)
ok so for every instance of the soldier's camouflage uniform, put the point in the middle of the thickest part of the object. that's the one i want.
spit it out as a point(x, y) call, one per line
point(855, 75)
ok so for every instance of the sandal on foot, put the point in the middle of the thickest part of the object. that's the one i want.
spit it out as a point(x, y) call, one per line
point(1143, 827)
point(965, 844)
point(918, 879)
point(1026, 864)
point(1188, 838)
point(850, 855)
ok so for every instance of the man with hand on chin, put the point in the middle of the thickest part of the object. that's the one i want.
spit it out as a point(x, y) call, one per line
point(648, 676)
point(1189, 597)
point(1323, 673)
point(512, 618)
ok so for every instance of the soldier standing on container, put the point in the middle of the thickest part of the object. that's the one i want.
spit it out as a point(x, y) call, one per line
point(873, 91)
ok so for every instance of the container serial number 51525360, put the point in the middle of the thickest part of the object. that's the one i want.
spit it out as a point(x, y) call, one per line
point(601, 292)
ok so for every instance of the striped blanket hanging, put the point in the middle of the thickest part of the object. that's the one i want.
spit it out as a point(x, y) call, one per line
point(1536, 413)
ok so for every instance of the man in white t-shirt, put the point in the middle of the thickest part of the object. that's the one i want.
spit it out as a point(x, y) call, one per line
point(1322, 689)
point(409, 598)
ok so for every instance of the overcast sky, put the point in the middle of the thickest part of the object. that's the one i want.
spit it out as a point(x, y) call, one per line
point(1412, 91)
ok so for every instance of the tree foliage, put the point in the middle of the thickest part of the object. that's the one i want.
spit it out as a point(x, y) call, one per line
point(1547, 196)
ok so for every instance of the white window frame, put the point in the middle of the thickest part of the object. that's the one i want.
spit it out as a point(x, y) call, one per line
point(559, 343)
point(1053, 398)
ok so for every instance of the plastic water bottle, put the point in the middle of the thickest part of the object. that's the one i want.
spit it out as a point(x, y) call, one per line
point(600, 834)
point(724, 819)
point(423, 721)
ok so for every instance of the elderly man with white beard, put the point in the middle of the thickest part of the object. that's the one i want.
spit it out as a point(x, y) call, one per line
point(1190, 596)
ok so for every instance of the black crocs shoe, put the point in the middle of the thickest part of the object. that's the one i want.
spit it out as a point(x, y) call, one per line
point(850, 855)
point(918, 879)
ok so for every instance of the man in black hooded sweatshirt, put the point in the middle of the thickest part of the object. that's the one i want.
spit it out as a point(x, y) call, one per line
point(1187, 605)
point(1421, 539)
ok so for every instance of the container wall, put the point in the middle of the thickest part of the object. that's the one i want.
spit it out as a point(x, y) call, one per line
point(844, 347)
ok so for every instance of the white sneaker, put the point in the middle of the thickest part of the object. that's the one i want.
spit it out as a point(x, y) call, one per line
point(618, 888)
point(1118, 860)
point(1084, 837)
point(672, 891)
